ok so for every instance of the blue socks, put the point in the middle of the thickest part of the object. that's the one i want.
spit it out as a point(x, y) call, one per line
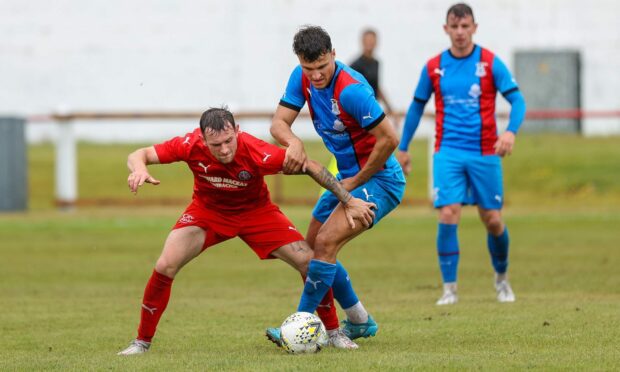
point(343, 290)
point(448, 251)
point(498, 248)
point(318, 281)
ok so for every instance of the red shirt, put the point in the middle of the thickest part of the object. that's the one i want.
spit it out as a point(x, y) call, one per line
point(233, 187)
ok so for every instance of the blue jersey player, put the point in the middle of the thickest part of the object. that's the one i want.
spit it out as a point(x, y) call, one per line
point(354, 128)
point(467, 168)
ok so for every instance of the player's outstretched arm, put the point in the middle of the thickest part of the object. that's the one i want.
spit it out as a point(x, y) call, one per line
point(138, 173)
point(295, 158)
point(355, 208)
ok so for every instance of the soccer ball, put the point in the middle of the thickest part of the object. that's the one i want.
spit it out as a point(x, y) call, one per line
point(303, 333)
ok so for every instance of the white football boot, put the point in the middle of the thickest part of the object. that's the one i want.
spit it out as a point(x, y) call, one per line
point(449, 296)
point(136, 347)
point(339, 340)
point(504, 291)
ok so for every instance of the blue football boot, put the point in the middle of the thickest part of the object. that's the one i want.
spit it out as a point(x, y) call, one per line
point(353, 331)
point(273, 335)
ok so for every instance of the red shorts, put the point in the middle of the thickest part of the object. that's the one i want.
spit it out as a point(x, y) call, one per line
point(264, 229)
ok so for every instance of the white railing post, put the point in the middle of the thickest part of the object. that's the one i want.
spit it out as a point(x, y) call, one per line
point(65, 163)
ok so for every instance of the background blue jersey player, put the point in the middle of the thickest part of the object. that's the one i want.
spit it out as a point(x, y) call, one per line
point(467, 167)
point(354, 128)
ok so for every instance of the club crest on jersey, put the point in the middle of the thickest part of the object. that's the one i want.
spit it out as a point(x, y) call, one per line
point(335, 109)
point(186, 218)
point(244, 175)
point(474, 91)
point(481, 69)
point(339, 126)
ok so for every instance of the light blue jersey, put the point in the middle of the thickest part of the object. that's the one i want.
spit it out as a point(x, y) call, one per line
point(343, 113)
point(465, 91)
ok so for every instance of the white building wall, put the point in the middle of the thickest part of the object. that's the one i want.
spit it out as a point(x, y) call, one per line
point(190, 55)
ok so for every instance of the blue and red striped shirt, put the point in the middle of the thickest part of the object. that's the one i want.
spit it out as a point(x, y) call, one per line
point(342, 114)
point(465, 90)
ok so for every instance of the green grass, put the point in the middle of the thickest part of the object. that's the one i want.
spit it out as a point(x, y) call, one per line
point(545, 170)
point(71, 285)
point(71, 282)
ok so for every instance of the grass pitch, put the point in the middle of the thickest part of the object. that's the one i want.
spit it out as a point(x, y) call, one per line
point(71, 282)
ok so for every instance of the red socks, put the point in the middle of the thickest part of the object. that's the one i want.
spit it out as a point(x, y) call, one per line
point(157, 294)
point(327, 311)
point(154, 302)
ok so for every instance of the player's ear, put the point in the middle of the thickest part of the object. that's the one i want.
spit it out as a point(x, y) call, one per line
point(334, 53)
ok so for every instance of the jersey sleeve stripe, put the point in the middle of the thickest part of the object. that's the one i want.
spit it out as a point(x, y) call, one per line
point(290, 106)
point(510, 91)
point(420, 100)
point(488, 128)
point(372, 125)
point(433, 64)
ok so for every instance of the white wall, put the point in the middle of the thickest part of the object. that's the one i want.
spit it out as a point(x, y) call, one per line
point(189, 55)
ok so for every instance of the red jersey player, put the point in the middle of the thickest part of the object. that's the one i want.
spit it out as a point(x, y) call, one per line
point(230, 199)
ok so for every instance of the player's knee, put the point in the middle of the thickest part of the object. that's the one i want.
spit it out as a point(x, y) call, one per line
point(167, 268)
point(325, 249)
point(494, 224)
point(449, 214)
point(321, 243)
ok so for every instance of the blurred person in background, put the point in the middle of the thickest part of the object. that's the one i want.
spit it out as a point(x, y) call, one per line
point(230, 199)
point(367, 65)
point(467, 161)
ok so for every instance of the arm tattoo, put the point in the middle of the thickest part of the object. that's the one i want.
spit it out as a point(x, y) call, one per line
point(329, 182)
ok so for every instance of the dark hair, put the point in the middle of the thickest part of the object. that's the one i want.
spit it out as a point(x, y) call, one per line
point(369, 31)
point(311, 42)
point(460, 10)
point(216, 119)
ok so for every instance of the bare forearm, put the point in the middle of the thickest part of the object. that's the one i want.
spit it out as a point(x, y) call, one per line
point(139, 159)
point(282, 132)
point(385, 144)
point(379, 155)
point(136, 161)
point(322, 176)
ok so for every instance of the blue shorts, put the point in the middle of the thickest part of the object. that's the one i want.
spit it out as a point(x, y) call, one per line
point(465, 177)
point(385, 190)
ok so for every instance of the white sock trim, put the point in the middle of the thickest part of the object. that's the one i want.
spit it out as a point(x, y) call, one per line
point(357, 314)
